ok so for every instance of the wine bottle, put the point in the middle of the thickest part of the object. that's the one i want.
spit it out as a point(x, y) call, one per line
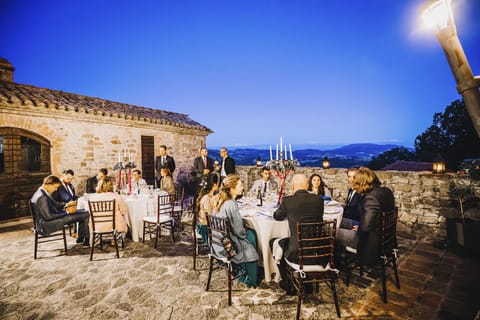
point(259, 197)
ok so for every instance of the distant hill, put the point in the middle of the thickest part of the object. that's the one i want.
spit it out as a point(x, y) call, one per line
point(371, 149)
point(341, 157)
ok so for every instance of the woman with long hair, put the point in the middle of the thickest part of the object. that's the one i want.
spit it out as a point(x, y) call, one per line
point(375, 200)
point(105, 193)
point(205, 204)
point(244, 240)
point(316, 185)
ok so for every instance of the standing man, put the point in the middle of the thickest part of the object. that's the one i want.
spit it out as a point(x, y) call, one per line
point(228, 164)
point(202, 166)
point(163, 160)
point(302, 206)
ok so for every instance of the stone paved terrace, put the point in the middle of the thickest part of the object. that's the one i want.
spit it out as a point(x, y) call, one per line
point(160, 284)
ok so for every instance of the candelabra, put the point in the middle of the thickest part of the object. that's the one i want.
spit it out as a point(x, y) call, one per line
point(124, 174)
point(282, 168)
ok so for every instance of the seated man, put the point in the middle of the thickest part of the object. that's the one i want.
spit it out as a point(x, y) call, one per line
point(363, 236)
point(51, 218)
point(137, 181)
point(302, 206)
point(92, 182)
point(265, 183)
point(353, 204)
point(66, 192)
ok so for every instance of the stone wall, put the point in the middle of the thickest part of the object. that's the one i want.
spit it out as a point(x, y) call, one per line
point(421, 197)
point(87, 142)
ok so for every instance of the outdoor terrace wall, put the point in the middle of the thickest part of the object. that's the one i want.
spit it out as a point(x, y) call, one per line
point(421, 197)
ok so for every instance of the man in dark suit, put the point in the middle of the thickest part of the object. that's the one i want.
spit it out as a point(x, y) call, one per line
point(302, 206)
point(163, 160)
point(52, 218)
point(375, 200)
point(66, 192)
point(228, 164)
point(202, 166)
point(93, 182)
point(353, 204)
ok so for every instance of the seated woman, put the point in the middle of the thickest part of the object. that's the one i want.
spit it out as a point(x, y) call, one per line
point(166, 183)
point(376, 199)
point(316, 186)
point(244, 240)
point(105, 193)
point(205, 205)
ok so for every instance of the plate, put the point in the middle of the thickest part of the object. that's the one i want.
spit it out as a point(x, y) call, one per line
point(331, 203)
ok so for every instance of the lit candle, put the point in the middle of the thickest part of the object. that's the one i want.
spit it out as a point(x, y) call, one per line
point(271, 153)
point(276, 151)
point(291, 154)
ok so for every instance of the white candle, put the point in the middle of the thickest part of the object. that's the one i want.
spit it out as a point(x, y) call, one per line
point(285, 153)
point(119, 160)
point(271, 153)
point(124, 152)
point(291, 154)
point(276, 151)
point(129, 159)
point(281, 144)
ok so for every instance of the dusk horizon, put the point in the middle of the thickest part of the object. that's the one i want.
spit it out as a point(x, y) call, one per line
point(315, 73)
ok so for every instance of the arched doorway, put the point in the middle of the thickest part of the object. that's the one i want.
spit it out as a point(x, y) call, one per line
point(24, 162)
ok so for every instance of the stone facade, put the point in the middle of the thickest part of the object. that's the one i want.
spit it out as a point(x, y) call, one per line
point(81, 133)
point(421, 197)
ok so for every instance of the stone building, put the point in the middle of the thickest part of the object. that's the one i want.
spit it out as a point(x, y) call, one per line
point(45, 131)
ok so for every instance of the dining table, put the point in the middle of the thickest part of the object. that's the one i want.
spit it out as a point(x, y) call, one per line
point(260, 219)
point(138, 207)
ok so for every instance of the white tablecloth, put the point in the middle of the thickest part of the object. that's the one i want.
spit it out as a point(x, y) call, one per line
point(259, 219)
point(138, 208)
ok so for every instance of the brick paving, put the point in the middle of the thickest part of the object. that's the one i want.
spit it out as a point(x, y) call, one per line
point(435, 284)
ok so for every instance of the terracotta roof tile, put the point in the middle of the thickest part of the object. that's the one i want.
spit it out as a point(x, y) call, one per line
point(14, 93)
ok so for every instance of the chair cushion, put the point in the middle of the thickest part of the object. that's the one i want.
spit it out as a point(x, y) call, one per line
point(351, 250)
point(221, 258)
point(310, 267)
point(153, 219)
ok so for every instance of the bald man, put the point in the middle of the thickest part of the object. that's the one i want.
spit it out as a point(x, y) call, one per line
point(302, 206)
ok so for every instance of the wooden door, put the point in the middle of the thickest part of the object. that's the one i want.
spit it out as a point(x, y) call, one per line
point(148, 159)
point(24, 162)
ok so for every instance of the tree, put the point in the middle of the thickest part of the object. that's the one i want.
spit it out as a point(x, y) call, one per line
point(390, 156)
point(451, 136)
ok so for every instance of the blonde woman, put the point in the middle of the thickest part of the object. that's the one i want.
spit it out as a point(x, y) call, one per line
point(244, 240)
point(105, 193)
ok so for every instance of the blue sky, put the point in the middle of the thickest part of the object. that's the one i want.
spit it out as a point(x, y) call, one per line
point(312, 71)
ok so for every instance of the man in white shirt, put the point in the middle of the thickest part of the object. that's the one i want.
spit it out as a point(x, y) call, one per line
point(266, 184)
point(228, 164)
